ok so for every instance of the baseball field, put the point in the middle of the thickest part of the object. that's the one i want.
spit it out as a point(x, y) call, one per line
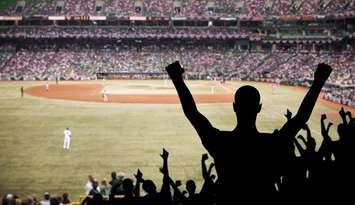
point(123, 134)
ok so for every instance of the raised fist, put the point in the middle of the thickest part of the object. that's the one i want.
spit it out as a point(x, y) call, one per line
point(139, 175)
point(175, 70)
point(204, 157)
point(178, 183)
point(323, 117)
point(288, 115)
point(165, 154)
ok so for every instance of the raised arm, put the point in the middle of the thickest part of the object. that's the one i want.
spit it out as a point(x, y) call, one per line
point(139, 181)
point(293, 125)
point(326, 146)
point(165, 193)
point(200, 122)
point(205, 174)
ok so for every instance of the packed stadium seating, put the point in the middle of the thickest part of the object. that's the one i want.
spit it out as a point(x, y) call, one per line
point(80, 61)
point(285, 65)
point(125, 32)
point(188, 8)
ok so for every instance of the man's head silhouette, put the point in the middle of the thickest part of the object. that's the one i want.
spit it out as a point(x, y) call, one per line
point(246, 105)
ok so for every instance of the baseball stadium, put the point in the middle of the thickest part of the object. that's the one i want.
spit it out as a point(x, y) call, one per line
point(100, 75)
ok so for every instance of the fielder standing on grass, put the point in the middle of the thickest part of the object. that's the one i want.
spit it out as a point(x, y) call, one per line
point(104, 96)
point(67, 138)
point(22, 91)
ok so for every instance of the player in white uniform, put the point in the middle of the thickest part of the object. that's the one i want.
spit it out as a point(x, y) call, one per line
point(104, 95)
point(67, 138)
point(275, 85)
point(213, 88)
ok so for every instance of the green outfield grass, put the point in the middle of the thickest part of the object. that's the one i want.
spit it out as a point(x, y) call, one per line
point(110, 137)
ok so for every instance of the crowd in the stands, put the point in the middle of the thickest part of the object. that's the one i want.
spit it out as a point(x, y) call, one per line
point(187, 8)
point(83, 61)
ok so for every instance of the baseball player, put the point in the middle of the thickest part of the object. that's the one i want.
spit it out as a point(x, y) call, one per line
point(104, 95)
point(47, 86)
point(67, 138)
point(213, 89)
point(22, 91)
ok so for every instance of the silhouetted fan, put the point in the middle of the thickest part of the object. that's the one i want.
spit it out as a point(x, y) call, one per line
point(248, 163)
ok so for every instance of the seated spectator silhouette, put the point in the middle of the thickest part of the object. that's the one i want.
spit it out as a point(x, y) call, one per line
point(9, 199)
point(248, 163)
point(97, 199)
point(152, 196)
point(46, 199)
point(95, 188)
point(55, 200)
point(104, 188)
point(130, 192)
point(193, 197)
point(88, 185)
point(116, 183)
point(65, 199)
point(129, 197)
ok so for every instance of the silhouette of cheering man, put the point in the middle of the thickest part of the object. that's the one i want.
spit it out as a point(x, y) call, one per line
point(248, 163)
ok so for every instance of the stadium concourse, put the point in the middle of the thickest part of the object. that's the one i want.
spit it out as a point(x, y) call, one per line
point(273, 41)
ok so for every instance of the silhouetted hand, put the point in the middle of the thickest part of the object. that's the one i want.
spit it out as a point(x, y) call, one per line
point(204, 157)
point(178, 183)
point(175, 70)
point(139, 176)
point(165, 154)
point(325, 148)
point(322, 73)
point(288, 115)
point(311, 142)
point(324, 129)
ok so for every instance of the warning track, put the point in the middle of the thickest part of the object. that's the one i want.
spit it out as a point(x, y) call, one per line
point(92, 92)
